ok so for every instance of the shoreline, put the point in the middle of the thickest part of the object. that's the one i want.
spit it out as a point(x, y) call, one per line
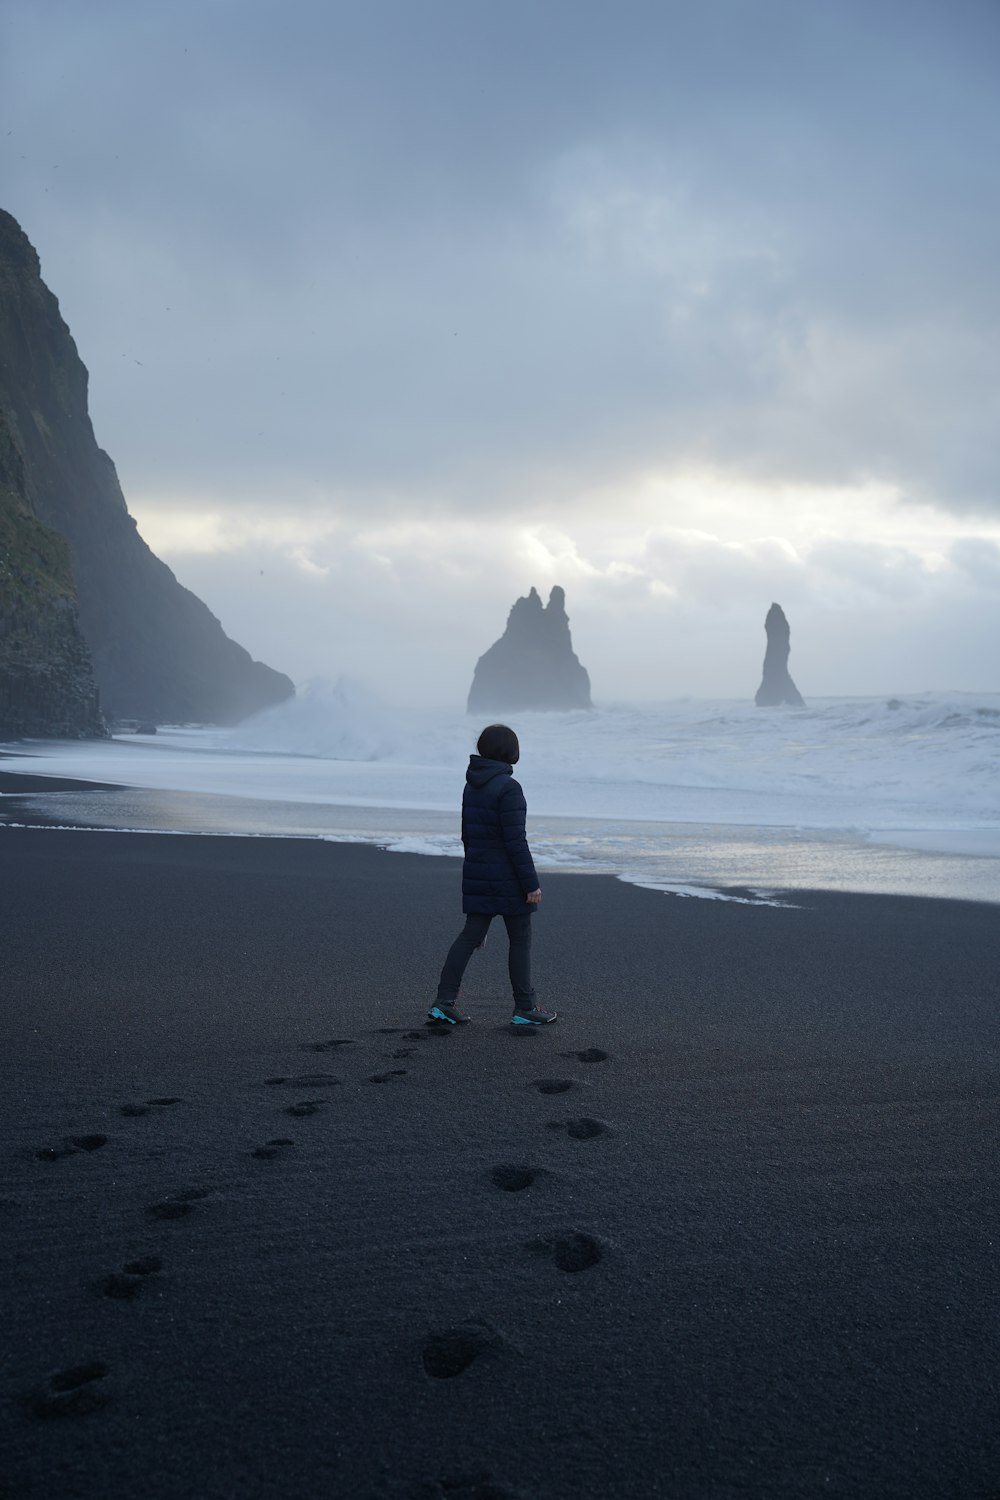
point(681, 858)
point(743, 894)
point(740, 1194)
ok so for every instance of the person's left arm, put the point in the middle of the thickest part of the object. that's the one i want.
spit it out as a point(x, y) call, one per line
point(513, 825)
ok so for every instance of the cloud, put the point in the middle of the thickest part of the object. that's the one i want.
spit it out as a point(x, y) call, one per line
point(394, 310)
point(754, 237)
point(672, 610)
point(978, 560)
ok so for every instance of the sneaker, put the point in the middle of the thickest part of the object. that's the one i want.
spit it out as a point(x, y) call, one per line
point(443, 1011)
point(533, 1017)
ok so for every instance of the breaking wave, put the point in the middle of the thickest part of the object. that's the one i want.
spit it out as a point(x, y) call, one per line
point(850, 763)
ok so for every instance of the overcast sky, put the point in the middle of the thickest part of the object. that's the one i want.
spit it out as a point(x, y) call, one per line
point(395, 308)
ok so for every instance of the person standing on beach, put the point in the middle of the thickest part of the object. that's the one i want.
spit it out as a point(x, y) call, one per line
point(498, 878)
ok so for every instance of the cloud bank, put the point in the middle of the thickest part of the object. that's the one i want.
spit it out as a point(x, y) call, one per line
point(398, 308)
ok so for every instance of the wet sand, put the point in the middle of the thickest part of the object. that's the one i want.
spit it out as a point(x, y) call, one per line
point(728, 1229)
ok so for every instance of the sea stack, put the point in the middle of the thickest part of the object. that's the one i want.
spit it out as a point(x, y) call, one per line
point(533, 664)
point(70, 550)
point(777, 688)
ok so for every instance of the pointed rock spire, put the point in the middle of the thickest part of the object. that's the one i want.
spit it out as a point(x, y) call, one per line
point(533, 664)
point(776, 686)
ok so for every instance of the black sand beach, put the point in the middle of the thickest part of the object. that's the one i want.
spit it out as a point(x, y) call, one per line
point(729, 1229)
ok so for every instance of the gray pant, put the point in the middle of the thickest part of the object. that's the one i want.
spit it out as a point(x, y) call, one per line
point(471, 937)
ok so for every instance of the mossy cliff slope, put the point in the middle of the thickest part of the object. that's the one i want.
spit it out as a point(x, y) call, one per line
point(158, 652)
point(46, 677)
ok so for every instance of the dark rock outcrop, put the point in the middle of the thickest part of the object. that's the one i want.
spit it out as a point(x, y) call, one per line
point(533, 664)
point(158, 652)
point(777, 687)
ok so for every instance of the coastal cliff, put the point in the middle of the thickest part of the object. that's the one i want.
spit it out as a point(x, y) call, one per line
point(158, 652)
point(533, 664)
point(47, 686)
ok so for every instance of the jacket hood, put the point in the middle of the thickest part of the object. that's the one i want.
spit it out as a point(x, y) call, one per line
point(482, 770)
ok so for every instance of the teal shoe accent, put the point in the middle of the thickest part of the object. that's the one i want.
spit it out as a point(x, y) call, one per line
point(448, 1014)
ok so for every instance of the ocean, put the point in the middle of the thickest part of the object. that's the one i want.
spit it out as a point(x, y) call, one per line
point(715, 799)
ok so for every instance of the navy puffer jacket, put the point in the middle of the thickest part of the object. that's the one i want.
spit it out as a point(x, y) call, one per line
point(498, 872)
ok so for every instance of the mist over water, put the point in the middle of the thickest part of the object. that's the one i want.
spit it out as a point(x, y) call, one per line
point(341, 720)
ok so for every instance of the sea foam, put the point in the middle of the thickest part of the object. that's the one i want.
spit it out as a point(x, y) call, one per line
point(855, 794)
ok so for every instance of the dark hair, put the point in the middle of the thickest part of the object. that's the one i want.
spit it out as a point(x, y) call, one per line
point(497, 742)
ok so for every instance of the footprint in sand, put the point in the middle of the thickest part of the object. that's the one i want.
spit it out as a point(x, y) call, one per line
point(144, 1265)
point(54, 1153)
point(119, 1286)
point(514, 1179)
point(306, 1081)
point(448, 1352)
point(552, 1085)
point(177, 1205)
point(386, 1031)
point(127, 1283)
point(584, 1129)
point(415, 1036)
point(330, 1046)
point(384, 1077)
point(169, 1208)
point(403, 1052)
point(74, 1392)
point(589, 1055)
point(479, 1485)
point(133, 1111)
point(71, 1145)
point(304, 1107)
point(273, 1148)
point(569, 1252)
